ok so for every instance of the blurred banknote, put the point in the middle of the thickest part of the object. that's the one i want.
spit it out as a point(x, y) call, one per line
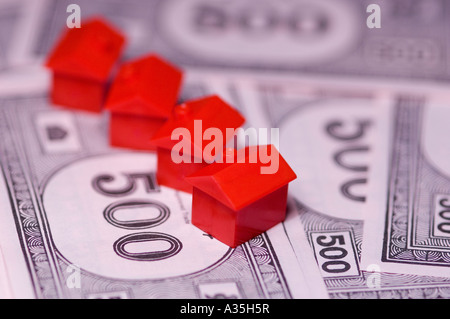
point(369, 215)
point(5, 287)
point(82, 220)
point(343, 144)
point(409, 230)
point(309, 36)
point(11, 18)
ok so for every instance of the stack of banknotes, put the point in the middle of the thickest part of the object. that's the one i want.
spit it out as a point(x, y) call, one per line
point(363, 117)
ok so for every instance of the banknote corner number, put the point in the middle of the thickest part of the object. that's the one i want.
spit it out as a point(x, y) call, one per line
point(374, 19)
point(74, 19)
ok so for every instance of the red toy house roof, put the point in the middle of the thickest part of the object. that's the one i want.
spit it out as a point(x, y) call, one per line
point(89, 51)
point(241, 183)
point(147, 87)
point(213, 113)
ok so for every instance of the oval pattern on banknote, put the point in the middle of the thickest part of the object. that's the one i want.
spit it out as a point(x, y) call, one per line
point(256, 32)
point(334, 147)
point(108, 216)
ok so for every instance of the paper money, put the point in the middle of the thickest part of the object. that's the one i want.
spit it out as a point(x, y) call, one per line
point(10, 16)
point(5, 286)
point(368, 217)
point(82, 220)
point(336, 141)
point(408, 232)
point(307, 36)
point(344, 134)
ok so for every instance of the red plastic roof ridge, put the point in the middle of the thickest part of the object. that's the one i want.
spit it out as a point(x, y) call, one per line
point(119, 107)
point(224, 199)
point(213, 186)
point(143, 73)
point(214, 191)
point(65, 65)
point(163, 139)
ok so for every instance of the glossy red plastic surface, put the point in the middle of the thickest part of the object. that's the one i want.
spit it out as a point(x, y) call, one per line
point(82, 61)
point(213, 113)
point(90, 51)
point(241, 182)
point(236, 227)
point(234, 202)
point(173, 175)
point(133, 131)
point(78, 93)
point(148, 87)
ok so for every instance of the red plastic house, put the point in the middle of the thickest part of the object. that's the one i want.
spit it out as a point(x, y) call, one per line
point(141, 99)
point(234, 202)
point(208, 112)
point(82, 62)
